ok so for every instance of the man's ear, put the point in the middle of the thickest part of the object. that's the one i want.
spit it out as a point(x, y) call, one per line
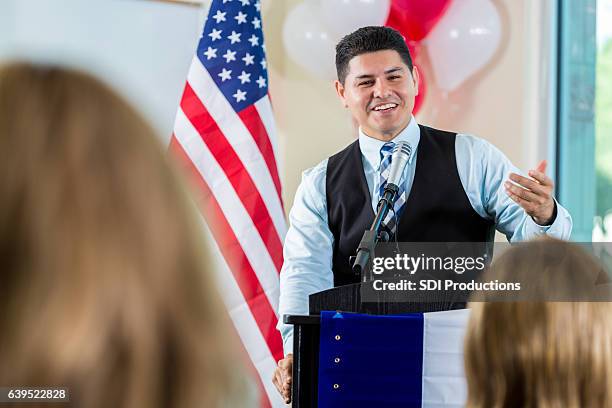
point(415, 78)
point(340, 91)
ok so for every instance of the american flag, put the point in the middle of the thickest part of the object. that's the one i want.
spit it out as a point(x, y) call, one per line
point(225, 135)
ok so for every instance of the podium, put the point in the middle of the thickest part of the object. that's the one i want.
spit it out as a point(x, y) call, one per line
point(346, 298)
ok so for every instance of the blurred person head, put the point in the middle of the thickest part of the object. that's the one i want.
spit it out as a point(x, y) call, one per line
point(536, 353)
point(104, 285)
point(376, 80)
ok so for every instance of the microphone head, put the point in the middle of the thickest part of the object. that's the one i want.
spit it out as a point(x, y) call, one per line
point(399, 160)
point(402, 147)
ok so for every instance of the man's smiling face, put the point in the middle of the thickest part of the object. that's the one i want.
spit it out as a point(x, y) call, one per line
point(379, 90)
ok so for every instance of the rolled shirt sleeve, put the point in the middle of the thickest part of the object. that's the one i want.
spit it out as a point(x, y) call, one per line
point(483, 169)
point(307, 252)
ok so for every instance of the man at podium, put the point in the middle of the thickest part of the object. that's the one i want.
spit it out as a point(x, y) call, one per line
point(455, 187)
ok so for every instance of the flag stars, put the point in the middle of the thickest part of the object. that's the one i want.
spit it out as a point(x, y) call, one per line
point(241, 17)
point(263, 63)
point(258, 6)
point(240, 95)
point(229, 56)
point(256, 23)
point(248, 59)
point(225, 74)
point(215, 34)
point(261, 81)
point(234, 37)
point(219, 17)
point(254, 40)
point(210, 53)
point(244, 2)
point(244, 77)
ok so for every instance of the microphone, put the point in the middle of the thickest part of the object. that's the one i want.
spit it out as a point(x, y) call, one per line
point(399, 160)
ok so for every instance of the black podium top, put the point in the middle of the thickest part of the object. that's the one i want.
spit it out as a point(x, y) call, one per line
point(347, 298)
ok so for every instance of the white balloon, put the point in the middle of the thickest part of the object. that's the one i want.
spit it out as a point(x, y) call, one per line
point(463, 41)
point(308, 42)
point(342, 17)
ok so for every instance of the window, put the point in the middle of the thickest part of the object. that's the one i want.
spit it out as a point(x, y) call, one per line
point(576, 182)
point(602, 230)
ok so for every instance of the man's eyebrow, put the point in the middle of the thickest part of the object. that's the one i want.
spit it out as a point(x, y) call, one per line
point(394, 69)
point(389, 71)
point(363, 76)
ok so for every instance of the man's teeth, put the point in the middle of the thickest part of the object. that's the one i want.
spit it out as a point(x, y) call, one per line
point(387, 106)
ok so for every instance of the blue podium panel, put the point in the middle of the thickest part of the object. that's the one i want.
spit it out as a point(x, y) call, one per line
point(370, 361)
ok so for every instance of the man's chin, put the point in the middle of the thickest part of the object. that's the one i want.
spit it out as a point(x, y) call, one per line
point(389, 129)
point(382, 134)
point(392, 127)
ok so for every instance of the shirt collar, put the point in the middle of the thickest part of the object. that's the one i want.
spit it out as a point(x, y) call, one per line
point(370, 147)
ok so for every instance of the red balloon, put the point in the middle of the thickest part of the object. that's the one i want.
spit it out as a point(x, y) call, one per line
point(418, 100)
point(415, 51)
point(415, 18)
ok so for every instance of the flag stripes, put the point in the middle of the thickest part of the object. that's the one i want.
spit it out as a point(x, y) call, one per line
point(251, 119)
point(235, 257)
point(264, 109)
point(213, 178)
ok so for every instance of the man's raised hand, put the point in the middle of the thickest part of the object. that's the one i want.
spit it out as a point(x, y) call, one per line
point(534, 194)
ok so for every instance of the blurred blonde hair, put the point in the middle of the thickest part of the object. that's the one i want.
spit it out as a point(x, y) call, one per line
point(105, 286)
point(541, 354)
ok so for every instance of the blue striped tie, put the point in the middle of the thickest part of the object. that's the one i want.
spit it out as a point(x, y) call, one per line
point(385, 166)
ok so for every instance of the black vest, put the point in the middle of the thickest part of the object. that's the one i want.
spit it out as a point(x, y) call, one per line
point(437, 209)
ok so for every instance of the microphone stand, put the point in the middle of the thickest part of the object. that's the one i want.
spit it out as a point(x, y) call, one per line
point(365, 250)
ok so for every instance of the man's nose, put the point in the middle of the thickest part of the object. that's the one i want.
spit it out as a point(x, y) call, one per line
point(381, 89)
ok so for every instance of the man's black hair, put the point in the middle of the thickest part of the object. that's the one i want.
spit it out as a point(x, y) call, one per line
point(369, 39)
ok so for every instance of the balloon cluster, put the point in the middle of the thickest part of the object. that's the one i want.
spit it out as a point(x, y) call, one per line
point(460, 36)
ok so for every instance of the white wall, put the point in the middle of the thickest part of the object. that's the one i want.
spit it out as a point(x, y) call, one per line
point(142, 48)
